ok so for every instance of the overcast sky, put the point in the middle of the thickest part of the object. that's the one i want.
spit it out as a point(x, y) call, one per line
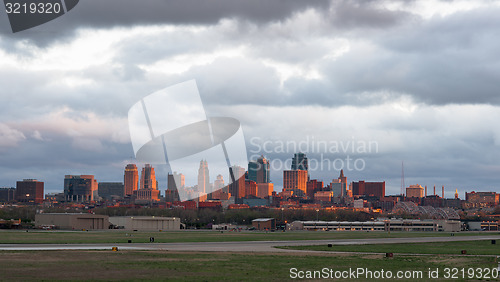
point(420, 79)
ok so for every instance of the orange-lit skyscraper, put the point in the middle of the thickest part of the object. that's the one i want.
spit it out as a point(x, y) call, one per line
point(130, 179)
point(148, 192)
point(148, 178)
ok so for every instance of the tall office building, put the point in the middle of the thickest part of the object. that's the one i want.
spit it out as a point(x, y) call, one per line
point(296, 181)
point(176, 181)
point(203, 177)
point(237, 188)
point(130, 179)
point(148, 192)
point(343, 179)
point(299, 162)
point(219, 183)
point(80, 188)
point(258, 171)
point(172, 192)
point(148, 178)
point(339, 185)
point(29, 191)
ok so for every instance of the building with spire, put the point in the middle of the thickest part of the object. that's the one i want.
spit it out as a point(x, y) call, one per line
point(339, 186)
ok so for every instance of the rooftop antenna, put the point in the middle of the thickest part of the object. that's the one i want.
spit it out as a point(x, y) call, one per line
point(402, 178)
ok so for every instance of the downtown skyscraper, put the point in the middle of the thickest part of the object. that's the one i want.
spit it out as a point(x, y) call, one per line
point(130, 179)
point(258, 171)
point(148, 178)
point(203, 177)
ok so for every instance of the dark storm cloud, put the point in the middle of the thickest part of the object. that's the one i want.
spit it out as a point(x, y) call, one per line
point(126, 13)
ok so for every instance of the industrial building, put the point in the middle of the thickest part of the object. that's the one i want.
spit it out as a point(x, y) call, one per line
point(147, 223)
point(72, 221)
point(382, 225)
point(264, 223)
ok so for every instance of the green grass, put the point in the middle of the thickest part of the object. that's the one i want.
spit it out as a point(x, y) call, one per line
point(160, 266)
point(472, 248)
point(118, 236)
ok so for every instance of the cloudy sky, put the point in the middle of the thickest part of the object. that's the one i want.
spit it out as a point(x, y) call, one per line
point(420, 79)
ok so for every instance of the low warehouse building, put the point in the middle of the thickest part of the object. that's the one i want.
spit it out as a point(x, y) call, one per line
point(146, 223)
point(72, 221)
point(264, 223)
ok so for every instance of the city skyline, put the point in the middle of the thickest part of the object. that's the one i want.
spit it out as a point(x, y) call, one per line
point(418, 78)
point(338, 185)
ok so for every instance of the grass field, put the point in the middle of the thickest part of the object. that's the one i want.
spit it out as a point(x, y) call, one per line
point(160, 266)
point(117, 236)
point(472, 248)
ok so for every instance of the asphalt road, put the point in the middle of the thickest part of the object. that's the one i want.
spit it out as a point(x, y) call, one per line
point(252, 246)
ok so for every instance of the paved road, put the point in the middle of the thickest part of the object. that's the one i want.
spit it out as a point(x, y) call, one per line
point(252, 246)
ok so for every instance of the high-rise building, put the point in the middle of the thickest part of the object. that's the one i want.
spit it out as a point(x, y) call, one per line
point(237, 188)
point(29, 191)
point(415, 191)
point(296, 181)
point(219, 183)
point(174, 180)
point(80, 188)
point(110, 190)
point(148, 192)
point(203, 178)
point(339, 186)
point(258, 171)
point(148, 178)
point(130, 179)
point(299, 162)
point(363, 188)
